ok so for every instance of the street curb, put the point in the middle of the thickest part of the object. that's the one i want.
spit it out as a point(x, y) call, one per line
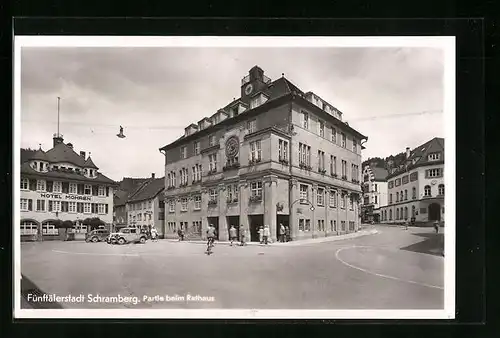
point(292, 243)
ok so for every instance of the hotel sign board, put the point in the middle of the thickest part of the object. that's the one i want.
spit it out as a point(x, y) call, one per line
point(66, 197)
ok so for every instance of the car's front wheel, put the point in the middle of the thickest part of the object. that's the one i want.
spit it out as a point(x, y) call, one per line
point(142, 240)
point(95, 239)
point(121, 241)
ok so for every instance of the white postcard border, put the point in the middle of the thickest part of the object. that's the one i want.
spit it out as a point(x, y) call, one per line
point(446, 43)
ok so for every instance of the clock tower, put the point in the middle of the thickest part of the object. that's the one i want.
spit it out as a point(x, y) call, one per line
point(254, 82)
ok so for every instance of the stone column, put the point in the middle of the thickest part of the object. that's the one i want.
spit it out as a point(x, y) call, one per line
point(243, 202)
point(270, 200)
point(204, 213)
point(222, 203)
point(293, 219)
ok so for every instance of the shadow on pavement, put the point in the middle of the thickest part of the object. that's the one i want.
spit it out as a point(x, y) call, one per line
point(28, 287)
point(433, 244)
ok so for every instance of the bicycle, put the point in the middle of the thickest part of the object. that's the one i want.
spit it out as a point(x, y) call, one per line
point(210, 245)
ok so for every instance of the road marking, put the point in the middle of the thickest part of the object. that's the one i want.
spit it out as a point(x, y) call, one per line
point(378, 274)
point(94, 254)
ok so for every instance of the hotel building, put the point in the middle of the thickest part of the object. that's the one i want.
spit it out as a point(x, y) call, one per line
point(276, 155)
point(374, 192)
point(416, 187)
point(61, 185)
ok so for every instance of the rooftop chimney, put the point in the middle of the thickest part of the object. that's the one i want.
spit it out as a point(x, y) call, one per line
point(407, 152)
point(82, 154)
point(152, 175)
point(58, 138)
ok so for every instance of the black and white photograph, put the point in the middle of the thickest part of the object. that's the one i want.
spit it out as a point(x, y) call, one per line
point(234, 177)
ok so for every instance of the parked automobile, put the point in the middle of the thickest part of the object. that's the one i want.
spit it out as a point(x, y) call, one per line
point(127, 235)
point(97, 235)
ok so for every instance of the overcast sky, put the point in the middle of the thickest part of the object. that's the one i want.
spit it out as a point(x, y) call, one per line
point(155, 92)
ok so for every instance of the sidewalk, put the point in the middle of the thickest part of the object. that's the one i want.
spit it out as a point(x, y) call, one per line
point(363, 232)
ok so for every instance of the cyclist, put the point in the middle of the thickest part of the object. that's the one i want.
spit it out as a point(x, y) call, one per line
point(210, 237)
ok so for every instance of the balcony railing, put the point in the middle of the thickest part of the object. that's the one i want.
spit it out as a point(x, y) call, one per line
point(255, 199)
point(246, 79)
point(230, 166)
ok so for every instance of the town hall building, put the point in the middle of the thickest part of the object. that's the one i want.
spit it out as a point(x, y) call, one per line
point(276, 155)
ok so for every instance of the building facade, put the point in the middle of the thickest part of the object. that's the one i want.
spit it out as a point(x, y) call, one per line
point(61, 185)
point(275, 155)
point(146, 206)
point(374, 193)
point(416, 188)
point(126, 188)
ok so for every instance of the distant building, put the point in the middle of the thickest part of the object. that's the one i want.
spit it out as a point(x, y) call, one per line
point(60, 185)
point(126, 188)
point(374, 193)
point(146, 206)
point(416, 187)
point(274, 155)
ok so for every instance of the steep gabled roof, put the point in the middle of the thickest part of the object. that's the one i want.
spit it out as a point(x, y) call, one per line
point(130, 184)
point(27, 154)
point(120, 197)
point(148, 190)
point(27, 170)
point(419, 156)
point(39, 155)
point(62, 153)
point(90, 164)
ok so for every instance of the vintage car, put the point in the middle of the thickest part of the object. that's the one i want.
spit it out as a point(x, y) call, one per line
point(127, 235)
point(97, 235)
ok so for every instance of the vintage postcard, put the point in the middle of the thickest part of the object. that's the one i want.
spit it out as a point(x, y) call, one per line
point(234, 177)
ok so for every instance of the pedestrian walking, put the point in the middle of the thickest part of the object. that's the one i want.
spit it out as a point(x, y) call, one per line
point(180, 233)
point(232, 234)
point(287, 233)
point(266, 234)
point(154, 234)
point(436, 226)
point(282, 233)
point(242, 235)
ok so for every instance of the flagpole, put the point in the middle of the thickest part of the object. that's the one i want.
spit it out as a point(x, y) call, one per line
point(58, 105)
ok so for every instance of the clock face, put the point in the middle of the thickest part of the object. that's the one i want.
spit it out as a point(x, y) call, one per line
point(248, 89)
point(232, 147)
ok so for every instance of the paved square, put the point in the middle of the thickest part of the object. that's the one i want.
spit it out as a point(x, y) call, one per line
point(380, 271)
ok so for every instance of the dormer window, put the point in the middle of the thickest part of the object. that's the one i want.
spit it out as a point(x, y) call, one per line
point(34, 165)
point(258, 100)
point(434, 156)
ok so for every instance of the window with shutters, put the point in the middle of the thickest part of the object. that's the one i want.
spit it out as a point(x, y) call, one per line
point(24, 204)
point(101, 191)
point(86, 208)
point(57, 187)
point(87, 189)
point(25, 183)
point(333, 198)
point(305, 120)
point(40, 205)
point(40, 185)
